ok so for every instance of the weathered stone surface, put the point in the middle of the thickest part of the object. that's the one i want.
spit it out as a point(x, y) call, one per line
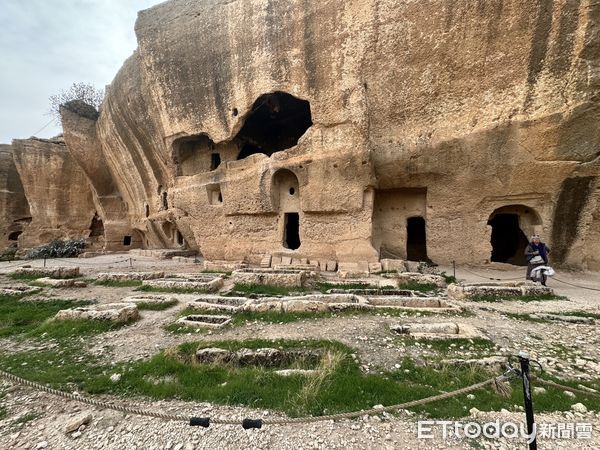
point(51, 272)
point(14, 209)
point(440, 330)
point(409, 110)
point(124, 276)
point(410, 277)
point(264, 357)
point(271, 277)
point(114, 312)
point(392, 265)
point(61, 283)
point(58, 193)
point(208, 284)
point(202, 321)
point(500, 290)
point(19, 290)
point(76, 422)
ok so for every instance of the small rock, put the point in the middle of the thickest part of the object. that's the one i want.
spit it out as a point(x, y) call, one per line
point(78, 421)
point(471, 397)
point(539, 390)
point(569, 394)
point(76, 434)
point(115, 377)
point(42, 444)
point(579, 407)
point(474, 411)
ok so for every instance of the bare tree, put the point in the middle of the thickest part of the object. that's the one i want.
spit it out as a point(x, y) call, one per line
point(78, 91)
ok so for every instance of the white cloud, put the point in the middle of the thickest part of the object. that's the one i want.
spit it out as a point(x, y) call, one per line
point(46, 45)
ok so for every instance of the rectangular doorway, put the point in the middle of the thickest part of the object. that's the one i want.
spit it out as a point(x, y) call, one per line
point(291, 231)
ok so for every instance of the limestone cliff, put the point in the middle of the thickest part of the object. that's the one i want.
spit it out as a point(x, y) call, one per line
point(351, 130)
point(14, 209)
point(60, 200)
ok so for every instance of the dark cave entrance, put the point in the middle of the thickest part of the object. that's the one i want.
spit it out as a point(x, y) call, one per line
point(508, 240)
point(96, 227)
point(291, 233)
point(416, 239)
point(275, 122)
point(14, 236)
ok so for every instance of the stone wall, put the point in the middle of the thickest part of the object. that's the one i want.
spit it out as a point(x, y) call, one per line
point(14, 209)
point(57, 190)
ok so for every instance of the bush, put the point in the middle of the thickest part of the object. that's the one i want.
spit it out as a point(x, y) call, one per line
point(58, 249)
point(8, 254)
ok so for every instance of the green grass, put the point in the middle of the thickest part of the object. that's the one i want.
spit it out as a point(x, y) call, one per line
point(26, 418)
point(517, 298)
point(414, 286)
point(172, 290)
point(61, 329)
point(526, 318)
point(155, 306)
point(118, 283)
point(265, 289)
point(17, 316)
point(3, 410)
point(579, 314)
point(340, 386)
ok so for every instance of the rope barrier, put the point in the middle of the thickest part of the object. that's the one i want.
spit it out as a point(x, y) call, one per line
point(490, 278)
point(576, 285)
point(497, 382)
point(565, 388)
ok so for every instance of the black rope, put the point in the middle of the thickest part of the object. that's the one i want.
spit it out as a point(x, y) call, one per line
point(576, 285)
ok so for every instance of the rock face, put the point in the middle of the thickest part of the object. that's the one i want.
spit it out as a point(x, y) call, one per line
point(59, 197)
point(14, 209)
point(350, 131)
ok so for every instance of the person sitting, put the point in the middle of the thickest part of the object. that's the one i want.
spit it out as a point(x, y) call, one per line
point(537, 255)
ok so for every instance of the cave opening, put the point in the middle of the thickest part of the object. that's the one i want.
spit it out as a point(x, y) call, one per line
point(14, 236)
point(416, 239)
point(97, 226)
point(275, 123)
point(291, 233)
point(508, 240)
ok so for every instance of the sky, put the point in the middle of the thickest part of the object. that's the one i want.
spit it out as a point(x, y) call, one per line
point(47, 45)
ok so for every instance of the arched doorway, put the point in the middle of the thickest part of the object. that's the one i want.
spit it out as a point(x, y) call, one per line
point(511, 226)
point(285, 191)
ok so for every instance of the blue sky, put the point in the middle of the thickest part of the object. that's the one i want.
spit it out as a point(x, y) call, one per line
point(47, 45)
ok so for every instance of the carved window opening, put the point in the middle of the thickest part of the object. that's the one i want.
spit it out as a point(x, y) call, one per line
point(215, 197)
point(147, 211)
point(416, 239)
point(180, 240)
point(276, 122)
point(215, 161)
point(127, 241)
point(291, 232)
point(165, 201)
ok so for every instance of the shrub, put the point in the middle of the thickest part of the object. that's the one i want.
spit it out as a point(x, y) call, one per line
point(58, 249)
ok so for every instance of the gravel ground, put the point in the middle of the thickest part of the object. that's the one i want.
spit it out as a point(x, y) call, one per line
point(561, 347)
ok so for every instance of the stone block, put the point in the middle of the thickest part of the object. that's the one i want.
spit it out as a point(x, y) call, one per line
point(375, 267)
point(389, 265)
point(331, 266)
point(286, 260)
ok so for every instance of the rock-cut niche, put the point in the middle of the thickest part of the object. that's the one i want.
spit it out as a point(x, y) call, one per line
point(275, 123)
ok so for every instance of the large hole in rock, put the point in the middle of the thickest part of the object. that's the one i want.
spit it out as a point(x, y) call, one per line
point(14, 236)
point(96, 227)
point(276, 122)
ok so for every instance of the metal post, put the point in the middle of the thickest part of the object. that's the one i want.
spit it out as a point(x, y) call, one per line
point(454, 268)
point(44, 262)
point(524, 360)
point(130, 263)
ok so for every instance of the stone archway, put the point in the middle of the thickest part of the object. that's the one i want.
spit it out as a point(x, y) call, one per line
point(511, 227)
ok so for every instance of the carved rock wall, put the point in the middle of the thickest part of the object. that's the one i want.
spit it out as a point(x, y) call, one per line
point(14, 209)
point(59, 197)
point(485, 107)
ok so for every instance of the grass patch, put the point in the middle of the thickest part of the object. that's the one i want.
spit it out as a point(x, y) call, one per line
point(517, 298)
point(26, 418)
point(145, 288)
point(445, 346)
point(580, 314)
point(414, 286)
point(17, 316)
point(118, 283)
point(526, 317)
point(338, 386)
point(266, 289)
point(156, 306)
point(61, 329)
